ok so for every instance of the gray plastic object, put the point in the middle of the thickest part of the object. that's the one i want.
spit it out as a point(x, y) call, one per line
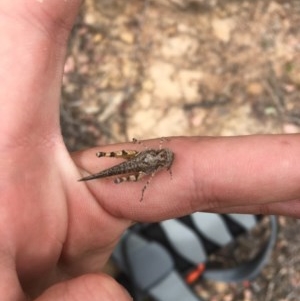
point(151, 268)
point(250, 269)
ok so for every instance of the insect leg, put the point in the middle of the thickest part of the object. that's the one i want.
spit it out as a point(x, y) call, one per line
point(146, 185)
point(134, 178)
point(125, 154)
point(134, 140)
point(170, 172)
point(130, 178)
point(161, 141)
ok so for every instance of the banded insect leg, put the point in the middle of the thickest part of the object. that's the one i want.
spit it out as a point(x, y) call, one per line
point(124, 154)
point(134, 178)
point(130, 178)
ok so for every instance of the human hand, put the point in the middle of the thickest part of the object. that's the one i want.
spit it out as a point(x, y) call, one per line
point(55, 229)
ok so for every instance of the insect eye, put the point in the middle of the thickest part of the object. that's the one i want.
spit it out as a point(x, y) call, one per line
point(162, 156)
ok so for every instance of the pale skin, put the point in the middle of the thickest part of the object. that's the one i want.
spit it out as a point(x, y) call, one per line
point(56, 233)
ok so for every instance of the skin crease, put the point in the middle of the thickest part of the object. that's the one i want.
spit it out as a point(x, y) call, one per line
point(56, 233)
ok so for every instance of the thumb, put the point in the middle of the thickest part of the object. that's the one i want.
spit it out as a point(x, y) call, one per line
point(90, 287)
point(33, 38)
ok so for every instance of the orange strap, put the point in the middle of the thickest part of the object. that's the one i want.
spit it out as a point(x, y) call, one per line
point(193, 275)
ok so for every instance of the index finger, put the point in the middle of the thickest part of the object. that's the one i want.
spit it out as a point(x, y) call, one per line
point(209, 174)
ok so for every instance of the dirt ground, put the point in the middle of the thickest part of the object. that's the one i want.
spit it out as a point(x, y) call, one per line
point(148, 69)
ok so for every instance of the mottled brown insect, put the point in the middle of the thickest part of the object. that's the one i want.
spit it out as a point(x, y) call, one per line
point(137, 165)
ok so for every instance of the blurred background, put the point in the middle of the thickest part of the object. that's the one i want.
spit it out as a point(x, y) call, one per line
point(156, 68)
